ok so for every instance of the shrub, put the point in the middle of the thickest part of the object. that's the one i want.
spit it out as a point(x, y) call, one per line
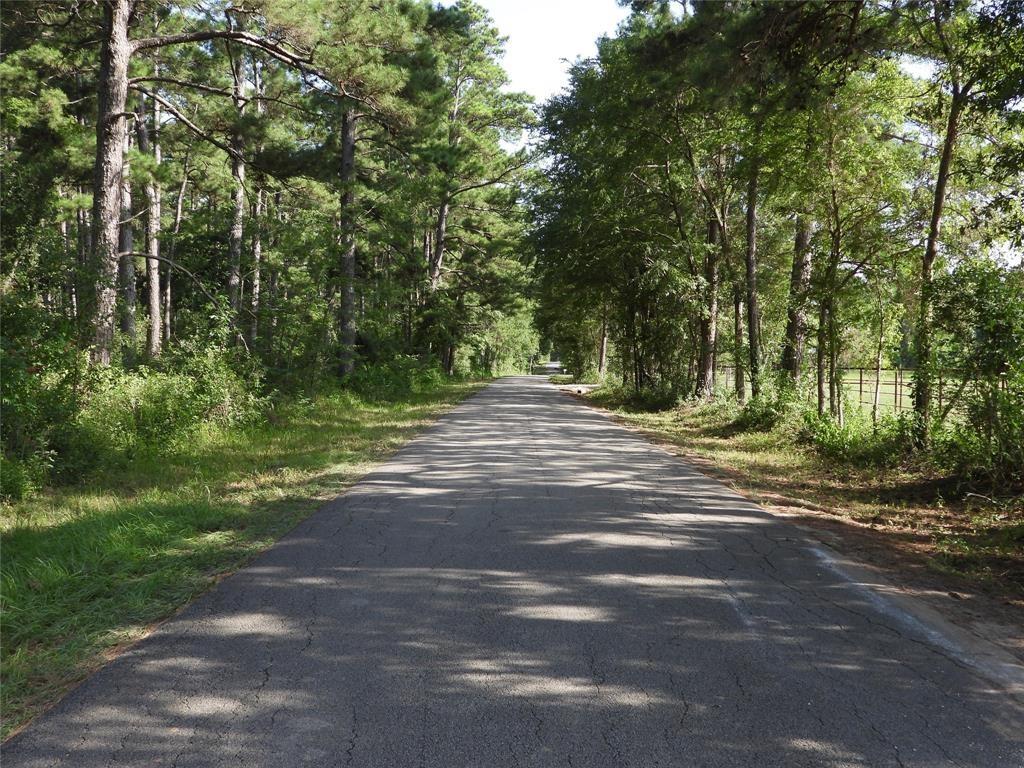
point(857, 441)
point(226, 388)
point(979, 309)
point(40, 390)
point(150, 410)
point(396, 378)
point(20, 478)
point(988, 443)
point(653, 399)
point(763, 413)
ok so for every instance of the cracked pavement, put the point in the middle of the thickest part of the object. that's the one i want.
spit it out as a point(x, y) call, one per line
point(529, 584)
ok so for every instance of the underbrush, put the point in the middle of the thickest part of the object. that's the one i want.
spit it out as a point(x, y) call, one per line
point(66, 424)
point(645, 400)
point(401, 376)
point(982, 448)
point(589, 376)
point(857, 441)
point(62, 425)
point(987, 444)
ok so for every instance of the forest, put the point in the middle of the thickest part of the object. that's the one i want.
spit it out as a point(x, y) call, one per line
point(815, 206)
point(205, 203)
point(247, 243)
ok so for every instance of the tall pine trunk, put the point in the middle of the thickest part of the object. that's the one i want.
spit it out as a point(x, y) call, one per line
point(822, 352)
point(709, 320)
point(879, 347)
point(796, 318)
point(238, 195)
point(154, 338)
point(441, 225)
point(740, 379)
point(753, 308)
point(110, 130)
point(257, 215)
point(348, 243)
point(126, 263)
point(175, 229)
point(437, 251)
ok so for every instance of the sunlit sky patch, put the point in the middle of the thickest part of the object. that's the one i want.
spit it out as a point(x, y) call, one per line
point(546, 36)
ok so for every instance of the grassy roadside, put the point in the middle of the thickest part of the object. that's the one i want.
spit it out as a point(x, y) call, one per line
point(941, 538)
point(90, 568)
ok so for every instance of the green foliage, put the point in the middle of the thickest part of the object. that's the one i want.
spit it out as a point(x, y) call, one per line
point(41, 392)
point(20, 478)
point(988, 444)
point(59, 427)
point(766, 411)
point(398, 377)
point(980, 315)
point(857, 442)
point(699, 153)
point(153, 411)
point(647, 400)
point(436, 121)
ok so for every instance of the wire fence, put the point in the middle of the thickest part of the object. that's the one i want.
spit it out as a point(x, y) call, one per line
point(891, 388)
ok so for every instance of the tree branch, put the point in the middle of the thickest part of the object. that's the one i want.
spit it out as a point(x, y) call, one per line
point(188, 123)
point(192, 276)
point(489, 182)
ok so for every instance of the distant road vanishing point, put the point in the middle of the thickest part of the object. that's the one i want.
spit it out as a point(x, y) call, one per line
point(529, 584)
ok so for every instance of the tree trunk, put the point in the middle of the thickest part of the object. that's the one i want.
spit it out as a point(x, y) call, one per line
point(272, 290)
point(449, 359)
point(84, 238)
point(110, 130)
point(878, 364)
point(238, 197)
point(70, 304)
point(835, 375)
point(602, 350)
point(348, 243)
point(440, 229)
point(740, 379)
point(709, 321)
point(796, 319)
point(923, 373)
point(154, 338)
point(753, 309)
point(822, 352)
point(437, 252)
point(175, 229)
point(428, 245)
point(257, 215)
point(126, 263)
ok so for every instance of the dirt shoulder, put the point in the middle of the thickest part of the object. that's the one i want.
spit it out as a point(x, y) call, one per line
point(962, 556)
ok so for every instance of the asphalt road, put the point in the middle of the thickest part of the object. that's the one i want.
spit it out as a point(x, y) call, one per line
point(528, 584)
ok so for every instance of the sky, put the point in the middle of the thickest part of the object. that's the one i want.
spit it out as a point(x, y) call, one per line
point(545, 36)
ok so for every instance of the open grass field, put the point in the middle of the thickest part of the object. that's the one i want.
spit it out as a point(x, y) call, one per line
point(90, 568)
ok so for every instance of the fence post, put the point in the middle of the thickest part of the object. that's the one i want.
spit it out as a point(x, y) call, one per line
point(860, 391)
point(899, 390)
